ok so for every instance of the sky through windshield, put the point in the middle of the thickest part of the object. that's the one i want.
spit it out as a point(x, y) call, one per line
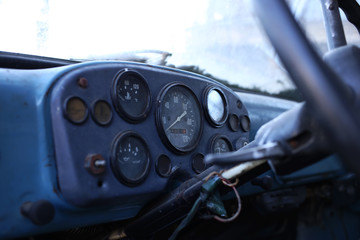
point(219, 37)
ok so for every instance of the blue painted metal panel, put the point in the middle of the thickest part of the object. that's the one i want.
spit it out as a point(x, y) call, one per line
point(27, 164)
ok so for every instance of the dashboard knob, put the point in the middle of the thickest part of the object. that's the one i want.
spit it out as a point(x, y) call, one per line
point(40, 212)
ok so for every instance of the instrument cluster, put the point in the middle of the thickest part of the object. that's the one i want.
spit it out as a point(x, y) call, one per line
point(122, 130)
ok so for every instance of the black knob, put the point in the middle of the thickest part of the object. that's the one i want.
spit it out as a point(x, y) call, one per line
point(40, 212)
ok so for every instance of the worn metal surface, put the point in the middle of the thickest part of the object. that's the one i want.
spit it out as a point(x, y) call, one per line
point(27, 164)
point(333, 25)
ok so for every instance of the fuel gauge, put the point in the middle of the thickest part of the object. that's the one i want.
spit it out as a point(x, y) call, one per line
point(130, 158)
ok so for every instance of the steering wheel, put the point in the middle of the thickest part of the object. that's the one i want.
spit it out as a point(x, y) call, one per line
point(330, 100)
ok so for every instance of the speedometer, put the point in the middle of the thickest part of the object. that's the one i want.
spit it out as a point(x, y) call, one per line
point(179, 117)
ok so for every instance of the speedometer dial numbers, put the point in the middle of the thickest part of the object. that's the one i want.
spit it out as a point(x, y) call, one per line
point(179, 118)
point(130, 158)
point(131, 95)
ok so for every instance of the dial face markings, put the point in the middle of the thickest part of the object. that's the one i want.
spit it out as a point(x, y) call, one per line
point(131, 95)
point(130, 160)
point(180, 117)
point(221, 144)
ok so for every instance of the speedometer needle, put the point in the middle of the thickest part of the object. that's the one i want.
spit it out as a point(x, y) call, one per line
point(177, 120)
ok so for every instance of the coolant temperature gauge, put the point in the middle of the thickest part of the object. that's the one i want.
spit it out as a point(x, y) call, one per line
point(131, 95)
point(130, 158)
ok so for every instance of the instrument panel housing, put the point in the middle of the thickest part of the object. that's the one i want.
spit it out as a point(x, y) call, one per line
point(74, 142)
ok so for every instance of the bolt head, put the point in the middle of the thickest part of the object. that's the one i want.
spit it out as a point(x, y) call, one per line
point(83, 82)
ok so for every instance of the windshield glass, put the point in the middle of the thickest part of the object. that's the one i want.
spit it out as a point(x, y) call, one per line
point(220, 39)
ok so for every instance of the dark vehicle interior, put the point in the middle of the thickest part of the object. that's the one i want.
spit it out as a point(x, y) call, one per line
point(130, 150)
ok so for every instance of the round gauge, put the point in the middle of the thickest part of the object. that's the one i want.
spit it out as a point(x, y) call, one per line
point(102, 112)
point(220, 144)
point(163, 166)
point(198, 163)
point(216, 106)
point(234, 122)
point(179, 117)
point(76, 110)
point(245, 123)
point(130, 158)
point(131, 95)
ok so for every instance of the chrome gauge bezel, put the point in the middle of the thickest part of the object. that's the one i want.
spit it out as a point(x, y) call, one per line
point(159, 124)
point(212, 121)
point(118, 174)
point(132, 118)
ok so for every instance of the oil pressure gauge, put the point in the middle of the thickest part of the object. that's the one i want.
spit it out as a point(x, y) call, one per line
point(130, 158)
point(131, 95)
point(216, 106)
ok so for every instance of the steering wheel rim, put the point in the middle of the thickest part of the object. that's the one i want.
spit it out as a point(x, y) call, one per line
point(325, 93)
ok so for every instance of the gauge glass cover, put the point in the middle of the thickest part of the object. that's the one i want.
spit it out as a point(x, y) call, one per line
point(131, 95)
point(221, 144)
point(179, 117)
point(102, 112)
point(130, 158)
point(216, 105)
point(76, 110)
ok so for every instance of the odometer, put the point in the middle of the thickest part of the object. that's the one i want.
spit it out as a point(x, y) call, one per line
point(179, 117)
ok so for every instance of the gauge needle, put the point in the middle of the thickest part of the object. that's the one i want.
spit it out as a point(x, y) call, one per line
point(177, 120)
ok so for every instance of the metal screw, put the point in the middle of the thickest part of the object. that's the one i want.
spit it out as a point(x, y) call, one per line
point(239, 104)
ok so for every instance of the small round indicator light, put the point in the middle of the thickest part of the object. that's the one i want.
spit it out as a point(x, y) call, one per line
point(76, 110)
point(234, 122)
point(245, 123)
point(102, 112)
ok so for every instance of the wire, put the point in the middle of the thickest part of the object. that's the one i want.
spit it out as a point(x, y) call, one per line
point(203, 196)
point(187, 219)
point(232, 218)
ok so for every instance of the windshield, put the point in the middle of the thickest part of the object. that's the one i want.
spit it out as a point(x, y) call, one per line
point(220, 39)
